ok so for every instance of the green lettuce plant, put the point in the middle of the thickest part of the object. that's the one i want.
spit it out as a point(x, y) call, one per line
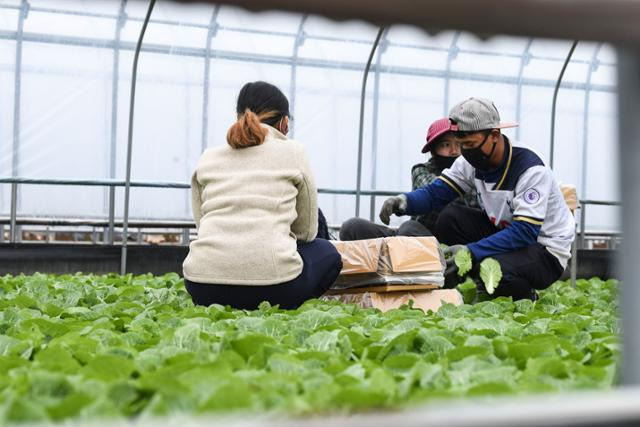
point(87, 346)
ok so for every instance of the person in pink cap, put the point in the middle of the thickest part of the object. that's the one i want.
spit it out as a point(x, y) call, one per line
point(444, 149)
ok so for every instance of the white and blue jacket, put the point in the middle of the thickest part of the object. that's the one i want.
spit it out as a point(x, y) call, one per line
point(521, 198)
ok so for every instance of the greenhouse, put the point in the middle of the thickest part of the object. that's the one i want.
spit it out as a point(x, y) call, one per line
point(126, 189)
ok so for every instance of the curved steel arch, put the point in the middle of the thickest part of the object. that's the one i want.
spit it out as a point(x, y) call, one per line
point(299, 41)
point(211, 33)
point(524, 61)
point(374, 125)
point(361, 130)
point(453, 54)
point(594, 63)
point(555, 100)
point(127, 188)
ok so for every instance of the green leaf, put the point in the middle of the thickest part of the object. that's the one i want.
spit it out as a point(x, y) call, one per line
point(109, 367)
point(56, 359)
point(463, 261)
point(251, 344)
point(399, 363)
point(70, 406)
point(230, 393)
point(490, 273)
point(468, 290)
point(491, 389)
point(464, 352)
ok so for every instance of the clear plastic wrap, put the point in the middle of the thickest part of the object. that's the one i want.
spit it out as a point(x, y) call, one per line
point(570, 196)
point(401, 261)
point(424, 300)
point(414, 254)
point(359, 256)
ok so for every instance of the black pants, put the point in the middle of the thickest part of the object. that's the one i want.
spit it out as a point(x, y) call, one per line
point(360, 229)
point(523, 271)
point(321, 266)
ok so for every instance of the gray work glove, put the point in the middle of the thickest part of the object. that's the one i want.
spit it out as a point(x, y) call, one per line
point(393, 205)
point(452, 268)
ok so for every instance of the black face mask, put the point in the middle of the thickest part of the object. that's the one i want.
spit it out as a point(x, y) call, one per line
point(443, 162)
point(476, 157)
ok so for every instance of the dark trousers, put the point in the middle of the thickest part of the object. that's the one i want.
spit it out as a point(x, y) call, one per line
point(360, 229)
point(523, 271)
point(321, 265)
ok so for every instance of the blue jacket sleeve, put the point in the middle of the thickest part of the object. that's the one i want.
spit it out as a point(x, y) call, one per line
point(518, 235)
point(432, 197)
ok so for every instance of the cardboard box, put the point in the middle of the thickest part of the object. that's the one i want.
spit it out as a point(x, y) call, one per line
point(385, 301)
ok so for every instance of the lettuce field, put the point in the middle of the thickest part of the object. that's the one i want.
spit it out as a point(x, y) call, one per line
point(85, 346)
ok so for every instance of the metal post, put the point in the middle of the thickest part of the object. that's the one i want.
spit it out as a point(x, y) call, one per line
point(15, 156)
point(374, 126)
point(593, 66)
point(524, 61)
point(361, 130)
point(112, 215)
point(213, 30)
point(629, 154)
point(125, 220)
point(574, 262)
point(299, 41)
point(14, 206)
point(122, 18)
point(185, 237)
point(453, 54)
point(583, 220)
point(555, 99)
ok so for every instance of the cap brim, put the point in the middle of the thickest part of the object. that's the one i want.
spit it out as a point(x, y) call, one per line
point(504, 125)
point(435, 137)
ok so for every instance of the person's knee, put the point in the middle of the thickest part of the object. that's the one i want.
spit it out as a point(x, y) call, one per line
point(413, 228)
point(335, 267)
point(515, 287)
point(352, 228)
point(334, 257)
point(447, 225)
point(325, 253)
point(328, 269)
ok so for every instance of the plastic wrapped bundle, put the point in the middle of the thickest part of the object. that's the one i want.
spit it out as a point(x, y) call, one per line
point(386, 263)
point(570, 195)
point(384, 301)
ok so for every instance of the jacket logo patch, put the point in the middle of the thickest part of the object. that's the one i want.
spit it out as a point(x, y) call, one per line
point(531, 196)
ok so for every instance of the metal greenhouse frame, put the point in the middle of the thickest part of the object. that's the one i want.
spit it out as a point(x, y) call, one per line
point(613, 21)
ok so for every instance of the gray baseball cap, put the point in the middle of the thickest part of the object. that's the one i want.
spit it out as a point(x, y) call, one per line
point(475, 114)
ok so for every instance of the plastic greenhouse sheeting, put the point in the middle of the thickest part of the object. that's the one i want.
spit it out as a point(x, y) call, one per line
point(74, 79)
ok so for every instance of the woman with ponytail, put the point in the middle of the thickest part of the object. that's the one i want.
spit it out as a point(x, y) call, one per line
point(255, 205)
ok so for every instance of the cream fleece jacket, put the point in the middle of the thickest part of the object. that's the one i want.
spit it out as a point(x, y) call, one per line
point(251, 206)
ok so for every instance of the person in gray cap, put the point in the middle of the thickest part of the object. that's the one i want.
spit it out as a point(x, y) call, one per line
point(524, 223)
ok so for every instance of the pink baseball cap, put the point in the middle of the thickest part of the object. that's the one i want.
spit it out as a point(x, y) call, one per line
point(436, 129)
